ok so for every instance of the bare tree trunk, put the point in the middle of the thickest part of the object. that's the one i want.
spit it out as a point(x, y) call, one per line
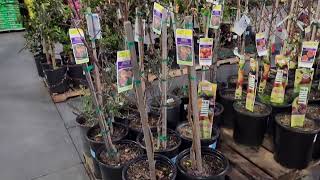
point(195, 111)
point(164, 83)
point(243, 46)
point(141, 100)
point(314, 29)
point(52, 54)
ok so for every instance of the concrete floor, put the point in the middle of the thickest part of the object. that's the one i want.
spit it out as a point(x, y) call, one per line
point(37, 141)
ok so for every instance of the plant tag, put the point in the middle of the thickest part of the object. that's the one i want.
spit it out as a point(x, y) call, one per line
point(265, 74)
point(124, 71)
point(241, 25)
point(205, 108)
point(205, 51)
point(171, 100)
point(303, 77)
point(308, 53)
point(238, 93)
point(138, 36)
point(299, 108)
point(215, 19)
point(184, 47)
point(80, 51)
point(157, 18)
point(205, 120)
point(251, 91)
point(94, 27)
point(280, 83)
point(261, 44)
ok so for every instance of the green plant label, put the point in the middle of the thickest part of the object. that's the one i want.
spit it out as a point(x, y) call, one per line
point(303, 77)
point(238, 93)
point(265, 74)
point(215, 19)
point(157, 18)
point(80, 51)
point(184, 45)
point(308, 53)
point(124, 71)
point(280, 82)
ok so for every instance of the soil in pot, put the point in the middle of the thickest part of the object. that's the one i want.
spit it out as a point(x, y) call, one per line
point(173, 109)
point(227, 99)
point(138, 169)
point(173, 143)
point(111, 168)
point(215, 165)
point(250, 127)
point(135, 125)
point(294, 145)
point(57, 79)
point(313, 112)
point(85, 125)
point(184, 130)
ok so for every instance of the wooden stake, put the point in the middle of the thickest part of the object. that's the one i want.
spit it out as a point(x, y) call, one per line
point(314, 29)
point(141, 100)
point(243, 46)
point(141, 44)
point(195, 111)
point(164, 83)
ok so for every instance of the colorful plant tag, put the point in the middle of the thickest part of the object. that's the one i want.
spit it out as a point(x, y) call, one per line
point(207, 91)
point(280, 82)
point(299, 107)
point(94, 27)
point(157, 18)
point(184, 45)
point(216, 16)
point(124, 71)
point(251, 91)
point(80, 51)
point(303, 77)
point(205, 51)
point(265, 75)
point(238, 93)
point(241, 25)
point(309, 51)
point(261, 44)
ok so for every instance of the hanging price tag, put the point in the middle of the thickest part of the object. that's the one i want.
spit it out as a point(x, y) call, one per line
point(184, 45)
point(241, 25)
point(80, 51)
point(124, 71)
point(205, 51)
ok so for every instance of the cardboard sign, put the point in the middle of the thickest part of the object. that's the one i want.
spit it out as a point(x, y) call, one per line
point(157, 18)
point(241, 25)
point(184, 45)
point(308, 53)
point(80, 51)
point(205, 51)
point(94, 27)
point(252, 85)
point(238, 93)
point(261, 44)
point(207, 92)
point(265, 75)
point(303, 77)
point(299, 107)
point(124, 71)
point(215, 19)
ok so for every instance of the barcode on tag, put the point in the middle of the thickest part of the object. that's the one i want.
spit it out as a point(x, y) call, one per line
point(303, 95)
point(205, 108)
point(279, 76)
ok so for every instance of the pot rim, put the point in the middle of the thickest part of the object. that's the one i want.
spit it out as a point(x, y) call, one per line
point(207, 151)
point(213, 138)
point(157, 157)
point(296, 130)
point(247, 113)
point(140, 135)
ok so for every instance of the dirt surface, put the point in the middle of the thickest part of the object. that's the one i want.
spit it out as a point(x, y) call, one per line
point(127, 152)
point(211, 166)
point(140, 171)
point(285, 120)
point(231, 94)
point(136, 123)
point(313, 112)
point(258, 108)
point(186, 131)
point(172, 142)
point(118, 132)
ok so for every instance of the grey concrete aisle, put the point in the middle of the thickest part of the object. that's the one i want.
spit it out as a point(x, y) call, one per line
point(34, 141)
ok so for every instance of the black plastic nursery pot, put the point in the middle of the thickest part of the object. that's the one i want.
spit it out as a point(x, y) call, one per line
point(76, 75)
point(171, 151)
point(135, 126)
point(209, 156)
point(57, 79)
point(250, 127)
point(293, 146)
point(227, 99)
point(40, 58)
point(186, 142)
point(232, 82)
point(184, 108)
point(95, 145)
point(81, 123)
point(173, 110)
point(313, 112)
point(110, 172)
point(139, 166)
